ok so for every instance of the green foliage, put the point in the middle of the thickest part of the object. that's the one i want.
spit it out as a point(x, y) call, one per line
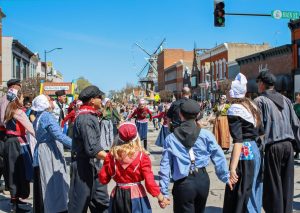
point(81, 84)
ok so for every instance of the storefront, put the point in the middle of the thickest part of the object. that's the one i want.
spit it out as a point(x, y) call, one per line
point(49, 88)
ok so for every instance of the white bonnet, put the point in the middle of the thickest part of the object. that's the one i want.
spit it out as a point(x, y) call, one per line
point(238, 86)
point(40, 103)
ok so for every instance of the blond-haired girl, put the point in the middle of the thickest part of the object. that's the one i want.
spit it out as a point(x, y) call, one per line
point(128, 164)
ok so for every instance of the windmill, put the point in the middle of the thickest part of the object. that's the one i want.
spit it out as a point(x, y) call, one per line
point(148, 74)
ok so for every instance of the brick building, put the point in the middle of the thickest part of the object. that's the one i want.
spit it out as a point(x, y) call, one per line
point(295, 37)
point(2, 15)
point(278, 60)
point(214, 62)
point(173, 65)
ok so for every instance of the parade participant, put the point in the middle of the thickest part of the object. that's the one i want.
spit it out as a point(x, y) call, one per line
point(128, 165)
point(16, 84)
point(164, 132)
point(51, 181)
point(85, 189)
point(297, 105)
point(27, 106)
point(106, 125)
point(71, 118)
point(59, 110)
point(141, 121)
point(186, 154)
point(281, 127)
point(173, 112)
point(116, 119)
point(17, 156)
point(297, 111)
point(244, 120)
point(221, 129)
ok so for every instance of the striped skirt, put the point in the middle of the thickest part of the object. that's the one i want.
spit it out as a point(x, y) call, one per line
point(129, 199)
point(142, 128)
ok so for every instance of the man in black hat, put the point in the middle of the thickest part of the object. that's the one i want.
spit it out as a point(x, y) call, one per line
point(59, 110)
point(16, 84)
point(85, 188)
point(281, 127)
point(173, 113)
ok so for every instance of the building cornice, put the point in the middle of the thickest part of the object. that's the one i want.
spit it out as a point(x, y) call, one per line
point(214, 51)
point(284, 49)
point(294, 24)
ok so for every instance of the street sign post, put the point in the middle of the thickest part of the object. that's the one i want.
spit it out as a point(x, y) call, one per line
point(278, 14)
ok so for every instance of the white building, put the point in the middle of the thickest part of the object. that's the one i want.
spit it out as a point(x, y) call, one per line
point(16, 60)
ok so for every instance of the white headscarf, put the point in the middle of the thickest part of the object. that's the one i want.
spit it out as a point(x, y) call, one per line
point(142, 101)
point(40, 103)
point(105, 100)
point(238, 86)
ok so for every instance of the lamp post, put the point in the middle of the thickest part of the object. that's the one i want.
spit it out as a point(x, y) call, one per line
point(58, 48)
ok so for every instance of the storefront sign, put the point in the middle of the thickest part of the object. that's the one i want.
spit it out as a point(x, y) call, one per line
point(55, 88)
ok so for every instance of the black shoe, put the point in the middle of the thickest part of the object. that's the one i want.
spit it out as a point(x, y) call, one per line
point(18, 201)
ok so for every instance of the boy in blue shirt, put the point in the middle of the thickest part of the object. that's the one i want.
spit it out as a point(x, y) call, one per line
point(186, 154)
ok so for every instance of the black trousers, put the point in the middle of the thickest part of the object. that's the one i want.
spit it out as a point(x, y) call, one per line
point(279, 178)
point(85, 188)
point(190, 193)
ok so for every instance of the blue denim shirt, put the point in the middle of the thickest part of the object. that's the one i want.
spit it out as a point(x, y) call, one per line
point(176, 160)
point(48, 131)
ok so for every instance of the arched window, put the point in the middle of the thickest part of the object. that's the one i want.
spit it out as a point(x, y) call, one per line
point(217, 70)
point(224, 68)
point(220, 70)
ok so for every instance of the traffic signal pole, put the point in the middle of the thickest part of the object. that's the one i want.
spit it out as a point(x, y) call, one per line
point(247, 14)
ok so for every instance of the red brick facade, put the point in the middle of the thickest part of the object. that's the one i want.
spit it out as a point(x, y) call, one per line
point(169, 57)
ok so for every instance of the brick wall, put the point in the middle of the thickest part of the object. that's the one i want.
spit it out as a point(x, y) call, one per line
point(169, 57)
point(278, 65)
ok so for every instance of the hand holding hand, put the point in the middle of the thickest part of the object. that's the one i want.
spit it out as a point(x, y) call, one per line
point(233, 177)
point(164, 203)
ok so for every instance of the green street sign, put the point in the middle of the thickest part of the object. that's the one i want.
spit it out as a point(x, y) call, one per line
point(278, 14)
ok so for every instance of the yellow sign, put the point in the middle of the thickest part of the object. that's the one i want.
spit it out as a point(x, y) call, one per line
point(157, 97)
point(207, 67)
point(49, 64)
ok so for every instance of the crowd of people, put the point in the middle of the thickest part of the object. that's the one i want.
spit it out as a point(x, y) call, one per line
point(109, 141)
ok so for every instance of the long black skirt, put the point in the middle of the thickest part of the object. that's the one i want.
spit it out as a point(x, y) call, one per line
point(15, 168)
point(236, 201)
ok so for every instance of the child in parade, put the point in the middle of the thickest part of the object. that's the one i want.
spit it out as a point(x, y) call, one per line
point(164, 132)
point(142, 121)
point(128, 164)
point(244, 120)
point(17, 155)
point(187, 152)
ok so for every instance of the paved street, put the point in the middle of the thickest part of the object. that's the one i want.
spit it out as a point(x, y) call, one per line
point(216, 193)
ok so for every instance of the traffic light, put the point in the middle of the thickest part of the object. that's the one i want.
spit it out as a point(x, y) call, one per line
point(219, 14)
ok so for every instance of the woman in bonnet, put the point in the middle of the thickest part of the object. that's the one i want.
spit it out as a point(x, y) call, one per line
point(51, 181)
point(244, 122)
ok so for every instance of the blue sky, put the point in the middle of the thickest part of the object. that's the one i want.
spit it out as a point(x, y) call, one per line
point(97, 36)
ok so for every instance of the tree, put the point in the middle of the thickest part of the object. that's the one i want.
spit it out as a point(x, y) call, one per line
point(166, 95)
point(31, 87)
point(81, 84)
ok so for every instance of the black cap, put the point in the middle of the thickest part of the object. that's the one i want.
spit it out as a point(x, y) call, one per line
point(88, 93)
point(190, 107)
point(60, 93)
point(266, 77)
point(13, 82)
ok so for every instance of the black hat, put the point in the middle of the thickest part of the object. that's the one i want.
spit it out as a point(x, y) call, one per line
point(60, 92)
point(13, 82)
point(88, 93)
point(266, 77)
point(190, 107)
